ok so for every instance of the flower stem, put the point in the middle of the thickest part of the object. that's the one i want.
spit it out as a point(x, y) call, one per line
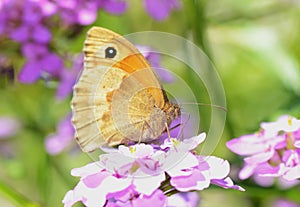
point(15, 197)
point(171, 192)
point(198, 23)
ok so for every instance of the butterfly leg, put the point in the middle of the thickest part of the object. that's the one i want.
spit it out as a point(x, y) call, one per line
point(143, 130)
point(168, 131)
point(149, 133)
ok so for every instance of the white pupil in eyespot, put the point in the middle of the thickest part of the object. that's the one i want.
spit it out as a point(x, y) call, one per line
point(110, 52)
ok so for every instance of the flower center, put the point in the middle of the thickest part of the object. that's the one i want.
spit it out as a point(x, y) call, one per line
point(132, 149)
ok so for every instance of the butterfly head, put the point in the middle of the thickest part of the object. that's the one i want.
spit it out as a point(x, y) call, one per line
point(172, 111)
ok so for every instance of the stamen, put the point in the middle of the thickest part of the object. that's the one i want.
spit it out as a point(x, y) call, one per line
point(132, 149)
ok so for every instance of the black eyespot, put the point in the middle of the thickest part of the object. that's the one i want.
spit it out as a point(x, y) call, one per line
point(110, 52)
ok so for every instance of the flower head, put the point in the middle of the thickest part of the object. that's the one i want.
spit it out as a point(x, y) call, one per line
point(85, 12)
point(284, 203)
point(55, 143)
point(190, 199)
point(160, 9)
point(140, 174)
point(8, 127)
point(272, 152)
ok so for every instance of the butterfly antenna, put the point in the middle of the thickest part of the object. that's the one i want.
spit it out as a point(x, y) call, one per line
point(204, 104)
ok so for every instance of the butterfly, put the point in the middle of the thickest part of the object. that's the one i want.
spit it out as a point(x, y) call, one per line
point(118, 98)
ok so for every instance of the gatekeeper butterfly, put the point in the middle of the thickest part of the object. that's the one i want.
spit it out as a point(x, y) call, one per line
point(118, 98)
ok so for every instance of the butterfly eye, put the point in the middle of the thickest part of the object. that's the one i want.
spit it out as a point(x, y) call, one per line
point(110, 52)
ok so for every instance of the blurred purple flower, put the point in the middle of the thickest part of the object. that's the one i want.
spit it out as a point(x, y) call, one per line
point(136, 175)
point(189, 199)
point(28, 22)
point(161, 9)
point(39, 59)
point(24, 22)
point(8, 127)
point(285, 203)
point(31, 33)
point(279, 182)
point(48, 7)
point(85, 12)
point(55, 143)
point(69, 76)
point(272, 152)
point(113, 6)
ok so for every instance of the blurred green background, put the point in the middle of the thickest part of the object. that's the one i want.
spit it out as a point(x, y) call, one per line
point(254, 46)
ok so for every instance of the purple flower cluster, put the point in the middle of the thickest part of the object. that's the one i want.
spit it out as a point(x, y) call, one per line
point(24, 21)
point(140, 175)
point(274, 151)
point(161, 9)
point(29, 22)
point(85, 12)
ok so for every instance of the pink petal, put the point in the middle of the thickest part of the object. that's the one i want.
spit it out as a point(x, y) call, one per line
point(177, 164)
point(93, 181)
point(70, 198)
point(148, 184)
point(136, 151)
point(226, 183)
point(87, 170)
point(247, 171)
point(260, 158)
point(292, 173)
point(196, 181)
point(219, 168)
point(157, 198)
point(245, 147)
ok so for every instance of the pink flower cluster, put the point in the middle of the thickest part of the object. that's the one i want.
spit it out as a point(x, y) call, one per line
point(274, 151)
point(143, 174)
